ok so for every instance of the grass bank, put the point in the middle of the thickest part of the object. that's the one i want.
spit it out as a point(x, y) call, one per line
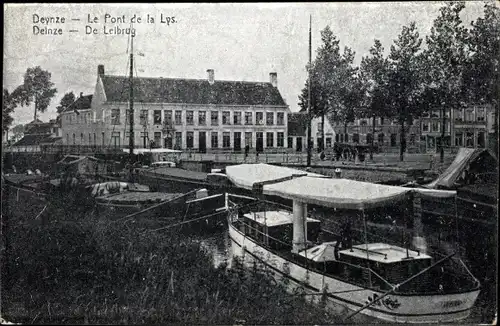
point(78, 269)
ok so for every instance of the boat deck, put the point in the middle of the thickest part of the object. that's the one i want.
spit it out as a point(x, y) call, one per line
point(175, 173)
point(138, 197)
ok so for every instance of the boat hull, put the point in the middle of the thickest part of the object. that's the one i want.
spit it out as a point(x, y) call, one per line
point(393, 308)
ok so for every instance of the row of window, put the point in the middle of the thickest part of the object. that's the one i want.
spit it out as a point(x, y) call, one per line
point(202, 117)
point(78, 118)
point(434, 126)
point(380, 138)
point(469, 139)
point(468, 115)
point(157, 139)
point(466, 139)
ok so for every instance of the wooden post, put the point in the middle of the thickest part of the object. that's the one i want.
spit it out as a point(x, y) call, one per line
point(299, 225)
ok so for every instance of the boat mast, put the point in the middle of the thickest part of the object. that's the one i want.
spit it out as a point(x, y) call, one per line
point(131, 102)
point(309, 116)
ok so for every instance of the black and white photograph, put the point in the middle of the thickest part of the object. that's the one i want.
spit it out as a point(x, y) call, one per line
point(294, 163)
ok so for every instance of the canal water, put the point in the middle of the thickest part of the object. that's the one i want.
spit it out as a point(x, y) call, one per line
point(222, 249)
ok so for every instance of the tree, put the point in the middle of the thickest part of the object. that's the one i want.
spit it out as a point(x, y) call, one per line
point(482, 70)
point(404, 80)
point(7, 108)
point(18, 132)
point(446, 56)
point(373, 75)
point(10, 102)
point(334, 86)
point(66, 101)
point(37, 88)
point(322, 69)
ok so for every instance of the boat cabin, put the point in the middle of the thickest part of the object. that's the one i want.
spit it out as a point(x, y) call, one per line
point(393, 263)
point(275, 228)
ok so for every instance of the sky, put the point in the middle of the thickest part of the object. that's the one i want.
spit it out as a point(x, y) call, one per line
point(239, 41)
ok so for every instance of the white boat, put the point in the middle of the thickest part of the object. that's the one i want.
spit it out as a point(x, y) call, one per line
point(377, 279)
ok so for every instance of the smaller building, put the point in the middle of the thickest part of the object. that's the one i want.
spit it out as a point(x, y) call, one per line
point(75, 119)
point(297, 132)
point(37, 134)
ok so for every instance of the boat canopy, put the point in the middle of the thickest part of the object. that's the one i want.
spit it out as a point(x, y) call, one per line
point(338, 193)
point(249, 175)
point(313, 189)
point(151, 150)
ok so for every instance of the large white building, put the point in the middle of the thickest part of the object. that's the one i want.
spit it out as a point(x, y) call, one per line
point(198, 114)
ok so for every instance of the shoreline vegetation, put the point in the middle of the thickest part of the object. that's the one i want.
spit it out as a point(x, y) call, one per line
point(77, 269)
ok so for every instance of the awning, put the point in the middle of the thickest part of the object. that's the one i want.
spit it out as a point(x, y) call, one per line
point(338, 193)
point(316, 189)
point(249, 175)
point(151, 150)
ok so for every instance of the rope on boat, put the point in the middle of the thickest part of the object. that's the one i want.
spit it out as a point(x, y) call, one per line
point(185, 222)
point(395, 287)
point(154, 206)
point(345, 291)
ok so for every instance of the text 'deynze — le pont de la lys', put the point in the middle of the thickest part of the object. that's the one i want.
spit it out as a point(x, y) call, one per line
point(106, 25)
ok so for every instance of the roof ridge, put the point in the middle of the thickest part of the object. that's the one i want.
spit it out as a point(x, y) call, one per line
point(194, 79)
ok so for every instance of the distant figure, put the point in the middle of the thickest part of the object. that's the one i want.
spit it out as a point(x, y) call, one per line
point(247, 149)
point(38, 172)
point(322, 155)
point(337, 173)
point(14, 169)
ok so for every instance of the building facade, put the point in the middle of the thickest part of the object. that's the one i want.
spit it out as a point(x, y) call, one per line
point(297, 132)
point(188, 114)
point(386, 133)
point(468, 127)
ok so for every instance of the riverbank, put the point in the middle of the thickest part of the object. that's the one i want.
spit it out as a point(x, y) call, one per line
point(78, 269)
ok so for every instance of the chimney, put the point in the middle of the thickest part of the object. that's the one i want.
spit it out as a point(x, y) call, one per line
point(210, 76)
point(81, 94)
point(273, 78)
point(100, 70)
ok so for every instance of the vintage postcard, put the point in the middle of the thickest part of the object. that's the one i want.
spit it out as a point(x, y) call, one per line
point(250, 163)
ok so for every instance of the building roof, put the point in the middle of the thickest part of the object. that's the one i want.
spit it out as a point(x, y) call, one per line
point(80, 104)
point(36, 139)
point(297, 124)
point(38, 129)
point(35, 122)
point(192, 91)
